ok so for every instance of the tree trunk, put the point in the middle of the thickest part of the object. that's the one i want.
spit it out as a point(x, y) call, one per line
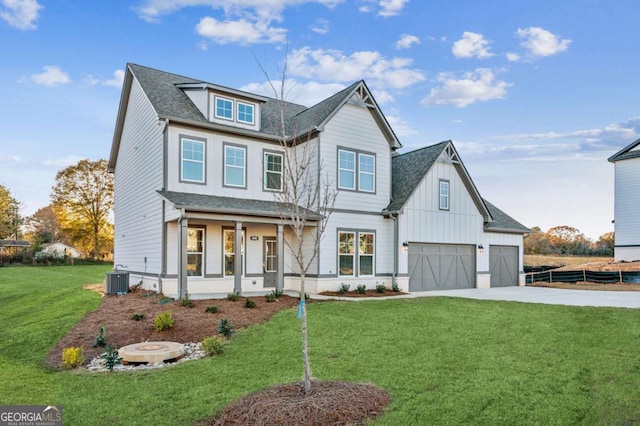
point(305, 349)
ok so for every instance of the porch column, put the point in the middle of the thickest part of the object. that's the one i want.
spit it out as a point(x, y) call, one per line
point(183, 228)
point(237, 259)
point(280, 272)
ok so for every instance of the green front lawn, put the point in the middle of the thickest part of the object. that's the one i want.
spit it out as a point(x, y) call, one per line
point(444, 360)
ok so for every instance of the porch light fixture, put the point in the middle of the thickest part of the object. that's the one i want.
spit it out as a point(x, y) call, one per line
point(480, 249)
point(405, 246)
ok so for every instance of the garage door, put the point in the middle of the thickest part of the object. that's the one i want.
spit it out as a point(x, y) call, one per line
point(503, 266)
point(441, 266)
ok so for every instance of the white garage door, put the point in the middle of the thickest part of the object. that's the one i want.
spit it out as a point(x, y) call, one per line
point(441, 266)
point(503, 266)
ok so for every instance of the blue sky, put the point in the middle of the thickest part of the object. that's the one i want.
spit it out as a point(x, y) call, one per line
point(536, 95)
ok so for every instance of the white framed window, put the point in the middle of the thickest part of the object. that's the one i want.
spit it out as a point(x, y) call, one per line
point(346, 253)
point(366, 172)
point(192, 154)
point(235, 162)
point(273, 169)
point(346, 169)
point(245, 113)
point(195, 252)
point(444, 194)
point(366, 253)
point(224, 108)
point(229, 236)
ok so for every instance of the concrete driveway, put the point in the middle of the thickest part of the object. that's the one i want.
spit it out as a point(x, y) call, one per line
point(551, 296)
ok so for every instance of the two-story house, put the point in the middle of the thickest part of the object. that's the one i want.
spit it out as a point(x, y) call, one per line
point(196, 166)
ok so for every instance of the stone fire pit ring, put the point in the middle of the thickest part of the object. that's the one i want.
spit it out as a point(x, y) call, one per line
point(151, 352)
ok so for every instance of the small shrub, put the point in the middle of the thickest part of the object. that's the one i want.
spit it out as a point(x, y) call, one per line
point(111, 357)
point(72, 357)
point(163, 321)
point(213, 346)
point(277, 293)
point(234, 297)
point(137, 317)
point(362, 289)
point(394, 286)
point(343, 288)
point(225, 328)
point(381, 288)
point(270, 297)
point(211, 309)
point(186, 302)
point(164, 300)
point(101, 338)
point(249, 304)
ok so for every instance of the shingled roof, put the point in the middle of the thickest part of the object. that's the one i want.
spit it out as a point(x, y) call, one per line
point(502, 222)
point(630, 151)
point(229, 205)
point(408, 170)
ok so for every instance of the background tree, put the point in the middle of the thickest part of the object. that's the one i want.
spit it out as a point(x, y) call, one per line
point(43, 227)
point(306, 193)
point(537, 242)
point(605, 244)
point(10, 219)
point(83, 200)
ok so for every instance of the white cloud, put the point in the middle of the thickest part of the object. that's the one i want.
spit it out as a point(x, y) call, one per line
point(21, 14)
point(9, 159)
point(512, 57)
point(471, 45)
point(321, 26)
point(241, 31)
point(540, 42)
point(406, 41)
point(400, 127)
point(116, 81)
point(63, 162)
point(391, 7)
point(475, 86)
point(152, 10)
point(307, 94)
point(51, 76)
point(334, 65)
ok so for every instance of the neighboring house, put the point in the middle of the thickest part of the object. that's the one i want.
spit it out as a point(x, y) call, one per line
point(196, 164)
point(627, 202)
point(61, 250)
point(13, 245)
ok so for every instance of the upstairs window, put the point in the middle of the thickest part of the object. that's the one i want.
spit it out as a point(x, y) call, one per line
point(235, 165)
point(346, 169)
point(356, 171)
point(444, 194)
point(366, 172)
point(245, 113)
point(192, 160)
point(224, 108)
point(272, 178)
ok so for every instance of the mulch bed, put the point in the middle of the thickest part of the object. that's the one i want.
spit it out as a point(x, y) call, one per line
point(191, 324)
point(356, 293)
point(328, 403)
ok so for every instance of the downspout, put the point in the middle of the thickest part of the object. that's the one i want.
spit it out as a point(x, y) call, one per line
point(163, 253)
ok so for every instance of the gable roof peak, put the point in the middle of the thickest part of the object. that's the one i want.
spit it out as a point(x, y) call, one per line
point(630, 151)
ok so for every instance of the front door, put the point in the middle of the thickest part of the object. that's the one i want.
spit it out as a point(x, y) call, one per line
point(270, 262)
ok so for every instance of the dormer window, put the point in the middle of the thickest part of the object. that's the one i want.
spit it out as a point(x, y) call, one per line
point(224, 108)
point(245, 113)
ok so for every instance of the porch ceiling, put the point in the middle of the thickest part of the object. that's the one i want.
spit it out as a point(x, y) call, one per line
point(229, 205)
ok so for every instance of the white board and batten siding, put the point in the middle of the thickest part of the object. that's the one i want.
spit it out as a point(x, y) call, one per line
point(138, 175)
point(423, 221)
point(353, 127)
point(627, 209)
